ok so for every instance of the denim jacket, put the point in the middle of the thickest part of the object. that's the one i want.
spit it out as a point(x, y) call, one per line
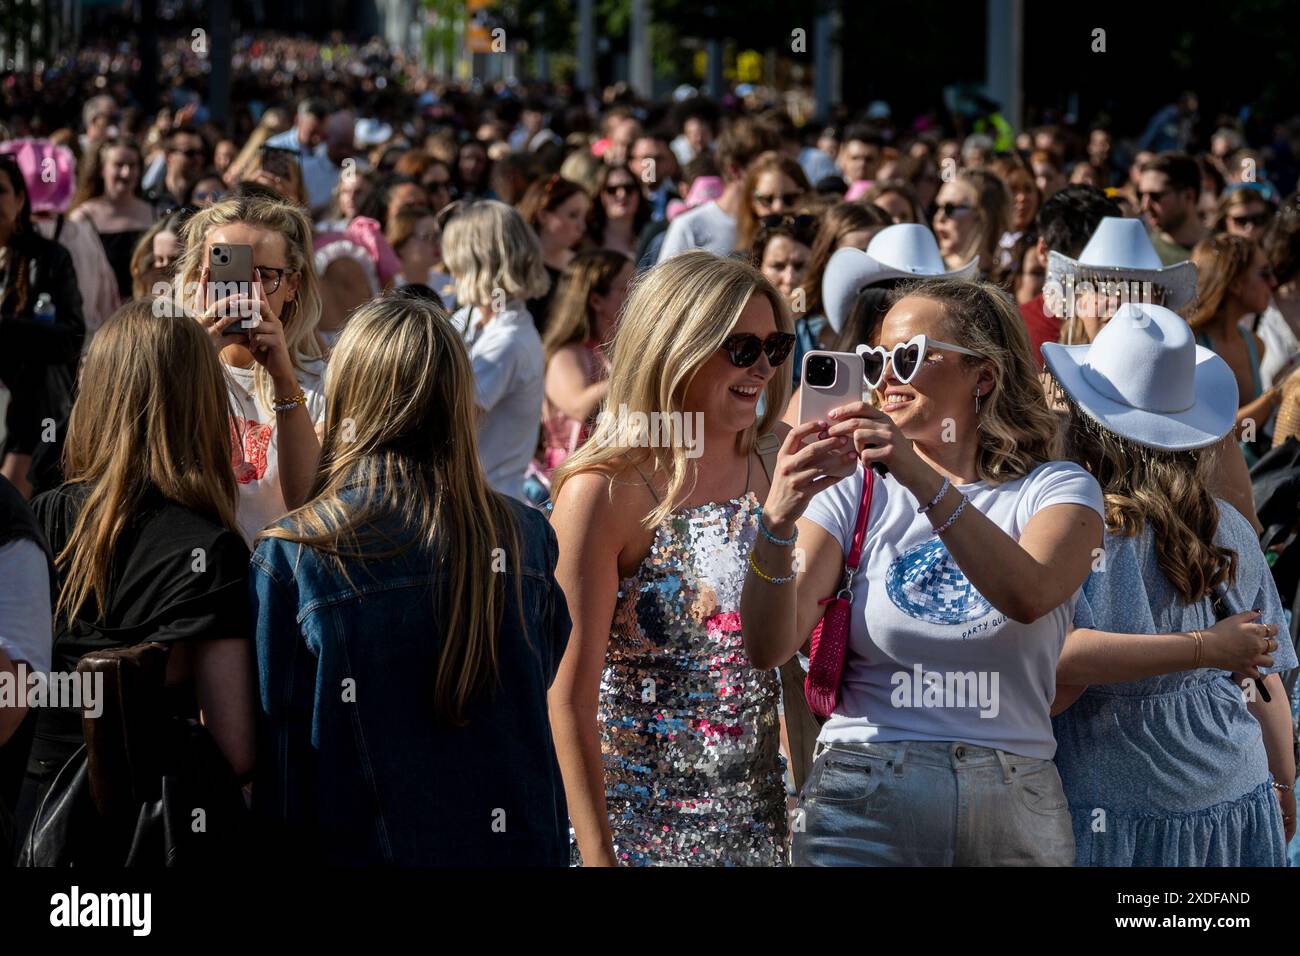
point(354, 768)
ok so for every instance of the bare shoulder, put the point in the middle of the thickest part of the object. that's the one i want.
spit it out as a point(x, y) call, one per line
point(609, 495)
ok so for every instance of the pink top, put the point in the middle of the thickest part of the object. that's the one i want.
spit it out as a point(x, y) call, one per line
point(562, 434)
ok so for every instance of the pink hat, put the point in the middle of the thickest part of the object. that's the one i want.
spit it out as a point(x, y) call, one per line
point(367, 234)
point(49, 171)
point(703, 189)
point(858, 189)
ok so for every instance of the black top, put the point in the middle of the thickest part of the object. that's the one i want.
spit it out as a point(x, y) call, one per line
point(540, 307)
point(177, 575)
point(118, 248)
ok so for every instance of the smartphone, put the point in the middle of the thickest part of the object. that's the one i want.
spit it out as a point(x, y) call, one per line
point(830, 379)
point(230, 272)
point(277, 161)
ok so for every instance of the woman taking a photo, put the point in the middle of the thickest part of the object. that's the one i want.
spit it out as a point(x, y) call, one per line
point(443, 659)
point(591, 294)
point(972, 211)
point(620, 212)
point(144, 534)
point(976, 544)
point(1179, 753)
point(109, 199)
point(668, 738)
point(275, 368)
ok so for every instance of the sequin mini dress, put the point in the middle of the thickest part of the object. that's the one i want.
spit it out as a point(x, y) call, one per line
point(689, 729)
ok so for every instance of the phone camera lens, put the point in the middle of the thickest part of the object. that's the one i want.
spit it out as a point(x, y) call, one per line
point(820, 372)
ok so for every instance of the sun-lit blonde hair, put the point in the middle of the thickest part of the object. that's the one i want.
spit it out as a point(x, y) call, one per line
point(1220, 261)
point(302, 313)
point(676, 317)
point(399, 468)
point(486, 245)
point(1017, 430)
point(152, 413)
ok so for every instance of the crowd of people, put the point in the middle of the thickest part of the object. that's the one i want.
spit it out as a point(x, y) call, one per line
point(397, 581)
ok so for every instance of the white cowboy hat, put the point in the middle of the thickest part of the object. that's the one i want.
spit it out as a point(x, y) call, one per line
point(903, 251)
point(1145, 379)
point(1121, 251)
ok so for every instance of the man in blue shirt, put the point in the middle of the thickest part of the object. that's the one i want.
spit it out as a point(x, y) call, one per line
point(306, 138)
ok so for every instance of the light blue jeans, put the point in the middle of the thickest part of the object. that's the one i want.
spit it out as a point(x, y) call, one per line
point(927, 803)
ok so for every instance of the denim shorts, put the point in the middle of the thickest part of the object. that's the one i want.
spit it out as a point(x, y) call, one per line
point(931, 803)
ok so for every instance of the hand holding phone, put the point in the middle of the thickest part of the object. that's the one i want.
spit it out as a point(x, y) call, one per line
point(230, 277)
point(830, 380)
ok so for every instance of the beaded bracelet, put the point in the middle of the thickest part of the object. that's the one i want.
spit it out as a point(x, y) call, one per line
point(289, 403)
point(779, 542)
point(954, 516)
point(943, 490)
point(764, 575)
point(1282, 786)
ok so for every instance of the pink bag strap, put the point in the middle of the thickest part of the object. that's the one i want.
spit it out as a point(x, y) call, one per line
point(859, 529)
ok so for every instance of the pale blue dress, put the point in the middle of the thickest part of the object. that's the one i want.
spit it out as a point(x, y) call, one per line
point(1171, 770)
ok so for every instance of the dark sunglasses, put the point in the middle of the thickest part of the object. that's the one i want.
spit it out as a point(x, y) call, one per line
point(803, 227)
point(767, 199)
point(953, 210)
point(1254, 219)
point(188, 153)
point(617, 189)
point(744, 348)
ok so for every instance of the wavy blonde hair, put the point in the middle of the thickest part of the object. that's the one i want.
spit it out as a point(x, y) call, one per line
point(400, 441)
point(486, 245)
point(152, 414)
point(1169, 491)
point(676, 317)
point(302, 313)
point(1017, 431)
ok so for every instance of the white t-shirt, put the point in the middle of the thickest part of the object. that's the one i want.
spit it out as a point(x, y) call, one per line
point(704, 227)
point(1281, 347)
point(254, 446)
point(25, 633)
point(509, 384)
point(984, 679)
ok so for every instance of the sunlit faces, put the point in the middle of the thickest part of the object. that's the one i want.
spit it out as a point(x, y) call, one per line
point(784, 263)
point(121, 171)
point(1031, 278)
point(620, 195)
point(564, 226)
point(858, 160)
point(941, 393)
point(774, 193)
point(350, 191)
point(10, 206)
point(405, 194)
point(726, 395)
point(1164, 205)
point(1024, 200)
point(606, 306)
point(419, 253)
point(1254, 288)
point(1248, 216)
point(896, 206)
point(956, 223)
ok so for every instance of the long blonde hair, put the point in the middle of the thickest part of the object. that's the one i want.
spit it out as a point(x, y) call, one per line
point(400, 442)
point(1017, 431)
point(1220, 261)
point(1164, 489)
point(301, 314)
point(676, 317)
point(152, 413)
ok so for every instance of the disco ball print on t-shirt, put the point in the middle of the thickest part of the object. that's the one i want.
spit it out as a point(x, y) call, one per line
point(925, 583)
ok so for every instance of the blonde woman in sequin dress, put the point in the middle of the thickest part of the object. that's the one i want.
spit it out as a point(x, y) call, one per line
point(668, 738)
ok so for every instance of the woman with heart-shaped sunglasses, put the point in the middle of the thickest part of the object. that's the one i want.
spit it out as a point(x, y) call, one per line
point(939, 747)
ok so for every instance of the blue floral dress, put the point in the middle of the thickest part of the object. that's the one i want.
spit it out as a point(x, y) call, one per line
point(1171, 770)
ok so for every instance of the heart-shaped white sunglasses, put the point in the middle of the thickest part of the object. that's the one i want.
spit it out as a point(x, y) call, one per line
point(906, 356)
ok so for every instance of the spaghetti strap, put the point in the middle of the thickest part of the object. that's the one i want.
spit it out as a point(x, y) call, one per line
point(647, 483)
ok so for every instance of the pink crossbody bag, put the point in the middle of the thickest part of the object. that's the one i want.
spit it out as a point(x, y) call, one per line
point(830, 638)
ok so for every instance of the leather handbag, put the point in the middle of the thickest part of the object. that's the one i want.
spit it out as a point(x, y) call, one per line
point(830, 638)
point(147, 789)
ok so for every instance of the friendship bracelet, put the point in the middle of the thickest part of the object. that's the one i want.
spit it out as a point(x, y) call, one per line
point(954, 516)
point(1282, 786)
point(764, 575)
point(779, 542)
point(943, 490)
point(290, 402)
